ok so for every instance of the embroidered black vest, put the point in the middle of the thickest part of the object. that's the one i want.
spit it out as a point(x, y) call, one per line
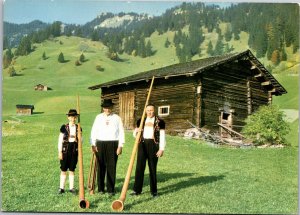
point(65, 129)
point(158, 124)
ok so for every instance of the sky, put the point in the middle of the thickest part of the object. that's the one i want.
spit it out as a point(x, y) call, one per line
point(78, 11)
point(75, 11)
point(83, 11)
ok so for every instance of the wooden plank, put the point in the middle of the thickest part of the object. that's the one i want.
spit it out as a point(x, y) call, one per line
point(266, 83)
point(229, 129)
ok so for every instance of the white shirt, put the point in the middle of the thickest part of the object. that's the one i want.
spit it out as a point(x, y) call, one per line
point(148, 128)
point(149, 133)
point(108, 128)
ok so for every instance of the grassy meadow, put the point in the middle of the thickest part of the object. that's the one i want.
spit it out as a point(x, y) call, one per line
point(193, 176)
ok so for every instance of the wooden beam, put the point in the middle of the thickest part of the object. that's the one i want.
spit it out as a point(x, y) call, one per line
point(266, 83)
point(229, 129)
point(258, 75)
point(272, 91)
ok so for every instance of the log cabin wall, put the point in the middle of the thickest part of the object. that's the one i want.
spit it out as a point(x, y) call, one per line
point(231, 85)
point(178, 93)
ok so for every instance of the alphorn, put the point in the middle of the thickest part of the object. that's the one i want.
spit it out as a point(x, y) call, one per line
point(82, 202)
point(118, 205)
point(92, 173)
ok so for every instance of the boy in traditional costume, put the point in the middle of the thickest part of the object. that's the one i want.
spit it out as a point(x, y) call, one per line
point(68, 151)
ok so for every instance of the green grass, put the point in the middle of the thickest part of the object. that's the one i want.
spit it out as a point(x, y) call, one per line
point(193, 176)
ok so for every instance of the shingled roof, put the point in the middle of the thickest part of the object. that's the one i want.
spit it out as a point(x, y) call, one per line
point(194, 67)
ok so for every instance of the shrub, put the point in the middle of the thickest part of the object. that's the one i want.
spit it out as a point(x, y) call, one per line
point(113, 56)
point(82, 58)
point(266, 126)
point(77, 63)
point(11, 71)
point(99, 68)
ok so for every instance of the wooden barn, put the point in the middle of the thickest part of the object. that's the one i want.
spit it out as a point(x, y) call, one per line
point(206, 92)
point(25, 109)
point(41, 87)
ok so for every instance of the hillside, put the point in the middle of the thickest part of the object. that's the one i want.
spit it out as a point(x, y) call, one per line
point(67, 80)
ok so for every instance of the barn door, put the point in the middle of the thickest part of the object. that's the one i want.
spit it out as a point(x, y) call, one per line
point(126, 109)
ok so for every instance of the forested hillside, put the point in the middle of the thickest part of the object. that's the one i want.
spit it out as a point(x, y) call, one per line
point(271, 28)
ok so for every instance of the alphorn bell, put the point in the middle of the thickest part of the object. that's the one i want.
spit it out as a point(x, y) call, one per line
point(92, 174)
point(82, 202)
point(118, 205)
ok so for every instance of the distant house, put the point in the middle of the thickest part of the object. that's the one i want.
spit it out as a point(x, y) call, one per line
point(41, 87)
point(207, 92)
point(25, 109)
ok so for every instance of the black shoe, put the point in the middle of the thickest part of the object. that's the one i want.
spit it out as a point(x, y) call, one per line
point(133, 193)
point(154, 195)
point(72, 191)
point(61, 191)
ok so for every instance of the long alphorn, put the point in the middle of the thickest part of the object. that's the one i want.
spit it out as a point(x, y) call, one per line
point(82, 202)
point(92, 174)
point(118, 205)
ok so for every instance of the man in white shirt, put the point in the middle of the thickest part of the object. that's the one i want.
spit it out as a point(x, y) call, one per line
point(151, 147)
point(107, 139)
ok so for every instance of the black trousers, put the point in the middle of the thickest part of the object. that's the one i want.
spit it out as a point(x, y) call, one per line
point(107, 164)
point(147, 150)
point(70, 156)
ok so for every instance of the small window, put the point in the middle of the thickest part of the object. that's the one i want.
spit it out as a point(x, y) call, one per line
point(163, 110)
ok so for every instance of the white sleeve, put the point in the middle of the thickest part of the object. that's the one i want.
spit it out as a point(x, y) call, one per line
point(60, 141)
point(162, 139)
point(121, 133)
point(93, 132)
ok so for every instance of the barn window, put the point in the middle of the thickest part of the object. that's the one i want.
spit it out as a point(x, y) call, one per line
point(164, 110)
point(225, 116)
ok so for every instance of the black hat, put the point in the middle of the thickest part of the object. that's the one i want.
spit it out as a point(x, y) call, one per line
point(72, 112)
point(107, 103)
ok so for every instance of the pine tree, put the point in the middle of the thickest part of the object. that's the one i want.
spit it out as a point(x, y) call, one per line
point(61, 58)
point(25, 47)
point(142, 48)
point(7, 58)
point(275, 58)
point(82, 58)
point(210, 49)
point(167, 43)
point(95, 35)
point(44, 56)
point(219, 49)
point(228, 34)
point(149, 51)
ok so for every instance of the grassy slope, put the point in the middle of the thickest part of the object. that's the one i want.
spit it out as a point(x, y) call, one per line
point(214, 183)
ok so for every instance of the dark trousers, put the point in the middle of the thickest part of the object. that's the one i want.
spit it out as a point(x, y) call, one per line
point(147, 150)
point(70, 156)
point(107, 163)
